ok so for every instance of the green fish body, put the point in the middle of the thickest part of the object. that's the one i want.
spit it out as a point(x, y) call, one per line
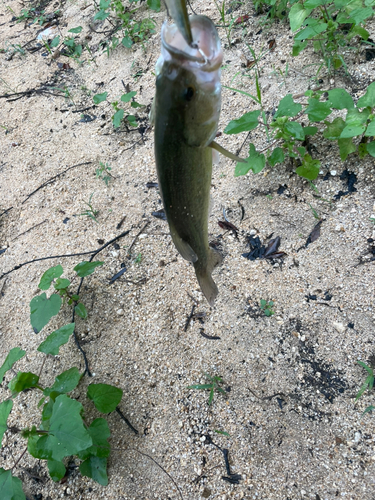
point(185, 113)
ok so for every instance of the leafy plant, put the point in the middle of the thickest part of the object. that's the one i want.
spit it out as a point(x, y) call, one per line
point(212, 386)
point(227, 24)
point(287, 137)
point(120, 112)
point(267, 307)
point(90, 212)
point(63, 431)
point(368, 384)
point(138, 259)
point(104, 172)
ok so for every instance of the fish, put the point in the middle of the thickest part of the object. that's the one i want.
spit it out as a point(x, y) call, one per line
point(185, 115)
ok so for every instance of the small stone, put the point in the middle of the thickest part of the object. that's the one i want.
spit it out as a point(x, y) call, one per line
point(253, 232)
point(339, 228)
point(340, 327)
point(206, 493)
point(120, 312)
point(357, 437)
point(333, 172)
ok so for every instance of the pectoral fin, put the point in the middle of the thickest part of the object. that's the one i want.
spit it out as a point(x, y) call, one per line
point(225, 152)
point(184, 249)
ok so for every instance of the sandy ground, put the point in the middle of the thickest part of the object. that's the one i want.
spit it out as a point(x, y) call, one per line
point(295, 429)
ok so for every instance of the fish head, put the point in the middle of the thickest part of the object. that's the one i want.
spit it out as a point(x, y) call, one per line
point(188, 79)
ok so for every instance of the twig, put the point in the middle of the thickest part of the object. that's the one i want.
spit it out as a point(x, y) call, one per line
point(126, 420)
point(137, 236)
point(28, 230)
point(5, 211)
point(53, 178)
point(189, 318)
point(19, 459)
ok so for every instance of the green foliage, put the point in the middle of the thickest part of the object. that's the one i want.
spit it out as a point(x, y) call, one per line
point(286, 135)
point(368, 384)
point(62, 432)
point(119, 114)
point(267, 307)
point(213, 386)
point(104, 172)
point(90, 212)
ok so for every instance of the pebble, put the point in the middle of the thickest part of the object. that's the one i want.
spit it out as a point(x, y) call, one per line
point(120, 312)
point(339, 327)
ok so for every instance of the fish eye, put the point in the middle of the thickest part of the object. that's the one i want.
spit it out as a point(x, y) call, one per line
point(189, 93)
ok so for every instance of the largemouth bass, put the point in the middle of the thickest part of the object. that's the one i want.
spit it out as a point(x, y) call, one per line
point(185, 114)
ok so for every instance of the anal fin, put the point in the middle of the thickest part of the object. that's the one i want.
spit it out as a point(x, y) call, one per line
point(184, 249)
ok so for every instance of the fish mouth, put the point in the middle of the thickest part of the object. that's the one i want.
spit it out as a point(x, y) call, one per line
point(205, 51)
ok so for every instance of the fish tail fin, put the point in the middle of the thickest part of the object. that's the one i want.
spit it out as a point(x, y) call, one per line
point(207, 284)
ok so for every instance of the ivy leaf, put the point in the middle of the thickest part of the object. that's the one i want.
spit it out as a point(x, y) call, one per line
point(76, 30)
point(334, 129)
point(42, 310)
point(340, 99)
point(14, 355)
point(309, 168)
point(255, 162)
point(277, 156)
point(99, 432)
point(370, 131)
point(23, 381)
point(127, 97)
point(10, 486)
point(313, 27)
point(317, 111)
point(61, 283)
point(56, 339)
point(346, 147)
point(117, 117)
point(80, 309)
point(49, 276)
point(297, 15)
point(5, 409)
point(96, 468)
point(295, 129)
point(86, 268)
point(98, 98)
point(56, 470)
point(287, 107)
point(105, 397)
point(371, 148)
point(127, 42)
point(65, 382)
point(369, 98)
point(248, 121)
point(154, 5)
point(67, 434)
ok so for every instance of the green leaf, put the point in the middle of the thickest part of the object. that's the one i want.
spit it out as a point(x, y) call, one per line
point(287, 107)
point(49, 276)
point(56, 339)
point(127, 42)
point(358, 31)
point(5, 409)
point(301, 150)
point(361, 14)
point(369, 98)
point(43, 309)
point(14, 355)
point(86, 268)
point(154, 5)
point(368, 409)
point(80, 309)
point(298, 47)
point(98, 98)
point(136, 105)
point(100, 433)
point(310, 130)
point(352, 131)
point(127, 97)
point(248, 121)
point(297, 15)
point(101, 15)
point(104, 4)
point(334, 129)
point(65, 382)
point(255, 162)
point(317, 111)
point(295, 129)
point(309, 168)
point(105, 397)
point(312, 4)
point(224, 433)
point(55, 42)
point(132, 120)
point(313, 27)
point(346, 147)
point(277, 156)
point(371, 148)
point(67, 434)
point(56, 470)
point(76, 30)
point(10, 486)
point(370, 131)
point(117, 117)
point(200, 387)
point(362, 150)
point(61, 283)
point(340, 99)
point(23, 381)
point(96, 468)
point(242, 92)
